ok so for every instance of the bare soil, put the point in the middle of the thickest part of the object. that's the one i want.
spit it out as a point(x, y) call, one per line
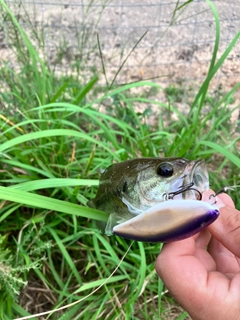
point(176, 49)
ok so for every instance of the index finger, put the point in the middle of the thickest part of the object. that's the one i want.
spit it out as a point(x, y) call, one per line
point(226, 229)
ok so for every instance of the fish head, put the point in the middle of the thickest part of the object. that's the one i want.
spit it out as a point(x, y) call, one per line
point(171, 188)
point(162, 179)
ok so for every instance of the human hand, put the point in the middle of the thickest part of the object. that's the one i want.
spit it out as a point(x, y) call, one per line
point(206, 283)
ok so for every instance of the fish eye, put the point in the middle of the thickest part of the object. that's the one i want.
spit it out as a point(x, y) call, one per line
point(165, 170)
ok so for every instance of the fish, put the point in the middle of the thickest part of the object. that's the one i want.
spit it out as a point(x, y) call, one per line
point(155, 192)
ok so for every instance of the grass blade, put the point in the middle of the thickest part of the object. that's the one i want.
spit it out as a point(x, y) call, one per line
point(35, 200)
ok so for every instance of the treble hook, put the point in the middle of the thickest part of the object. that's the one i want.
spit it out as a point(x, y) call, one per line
point(223, 190)
point(187, 187)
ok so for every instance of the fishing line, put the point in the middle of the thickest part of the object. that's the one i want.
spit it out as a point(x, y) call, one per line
point(80, 300)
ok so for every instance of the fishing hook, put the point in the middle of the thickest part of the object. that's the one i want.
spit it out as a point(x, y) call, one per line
point(223, 190)
point(187, 187)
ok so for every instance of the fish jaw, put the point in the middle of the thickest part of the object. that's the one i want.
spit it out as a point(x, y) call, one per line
point(198, 175)
point(169, 221)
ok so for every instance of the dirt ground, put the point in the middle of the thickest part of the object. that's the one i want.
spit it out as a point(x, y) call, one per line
point(176, 48)
point(177, 53)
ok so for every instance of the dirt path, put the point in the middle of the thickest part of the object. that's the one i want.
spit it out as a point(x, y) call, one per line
point(179, 54)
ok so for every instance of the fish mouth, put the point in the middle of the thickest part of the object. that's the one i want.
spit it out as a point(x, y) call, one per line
point(197, 179)
point(199, 175)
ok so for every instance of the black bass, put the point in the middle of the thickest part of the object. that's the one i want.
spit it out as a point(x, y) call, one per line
point(131, 188)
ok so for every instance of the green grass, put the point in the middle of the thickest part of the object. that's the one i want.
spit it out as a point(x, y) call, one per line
point(54, 141)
